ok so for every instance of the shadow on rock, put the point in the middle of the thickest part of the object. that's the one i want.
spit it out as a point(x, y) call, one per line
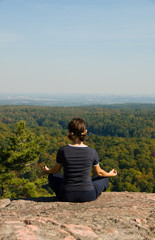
point(39, 199)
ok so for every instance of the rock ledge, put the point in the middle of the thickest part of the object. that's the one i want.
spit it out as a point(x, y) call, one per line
point(115, 215)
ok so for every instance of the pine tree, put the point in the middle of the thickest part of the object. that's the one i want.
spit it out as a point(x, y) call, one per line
point(24, 150)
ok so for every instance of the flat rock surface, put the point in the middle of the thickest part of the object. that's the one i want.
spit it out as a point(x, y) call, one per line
point(115, 215)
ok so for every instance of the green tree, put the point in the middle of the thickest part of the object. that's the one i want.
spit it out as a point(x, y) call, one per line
point(23, 151)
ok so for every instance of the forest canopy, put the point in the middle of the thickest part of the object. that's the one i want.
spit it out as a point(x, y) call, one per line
point(123, 135)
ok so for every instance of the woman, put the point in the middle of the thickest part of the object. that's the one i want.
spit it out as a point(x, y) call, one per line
point(77, 159)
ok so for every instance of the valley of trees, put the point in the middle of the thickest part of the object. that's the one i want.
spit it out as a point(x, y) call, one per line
point(123, 135)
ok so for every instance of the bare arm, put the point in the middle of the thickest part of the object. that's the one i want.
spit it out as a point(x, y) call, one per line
point(100, 172)
point(57, 167)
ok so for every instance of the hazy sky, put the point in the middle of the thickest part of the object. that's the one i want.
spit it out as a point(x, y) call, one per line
point(77, 46)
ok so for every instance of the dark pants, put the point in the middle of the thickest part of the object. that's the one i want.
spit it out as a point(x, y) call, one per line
point(56, 183)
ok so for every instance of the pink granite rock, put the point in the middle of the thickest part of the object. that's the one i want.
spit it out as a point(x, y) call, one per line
point(113, 216)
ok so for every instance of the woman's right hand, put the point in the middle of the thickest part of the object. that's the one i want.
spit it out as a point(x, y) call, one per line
point(112, 173)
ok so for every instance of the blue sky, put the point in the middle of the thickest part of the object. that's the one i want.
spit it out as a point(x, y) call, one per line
point(77, 46)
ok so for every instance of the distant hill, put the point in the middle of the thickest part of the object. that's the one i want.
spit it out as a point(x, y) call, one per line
point(72, 99)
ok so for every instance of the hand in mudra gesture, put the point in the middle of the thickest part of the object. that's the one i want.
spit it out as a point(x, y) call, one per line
point(113, 173)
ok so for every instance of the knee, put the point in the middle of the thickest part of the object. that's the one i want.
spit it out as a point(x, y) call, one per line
point(107, 182)
point(50, 177)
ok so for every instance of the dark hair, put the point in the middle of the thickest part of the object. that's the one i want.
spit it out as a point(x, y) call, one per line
point(77, 130)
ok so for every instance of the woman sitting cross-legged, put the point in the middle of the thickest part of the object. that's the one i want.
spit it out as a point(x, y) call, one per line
point(77, 159)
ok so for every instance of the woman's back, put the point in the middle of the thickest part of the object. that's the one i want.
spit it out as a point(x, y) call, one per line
point(77, 162)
